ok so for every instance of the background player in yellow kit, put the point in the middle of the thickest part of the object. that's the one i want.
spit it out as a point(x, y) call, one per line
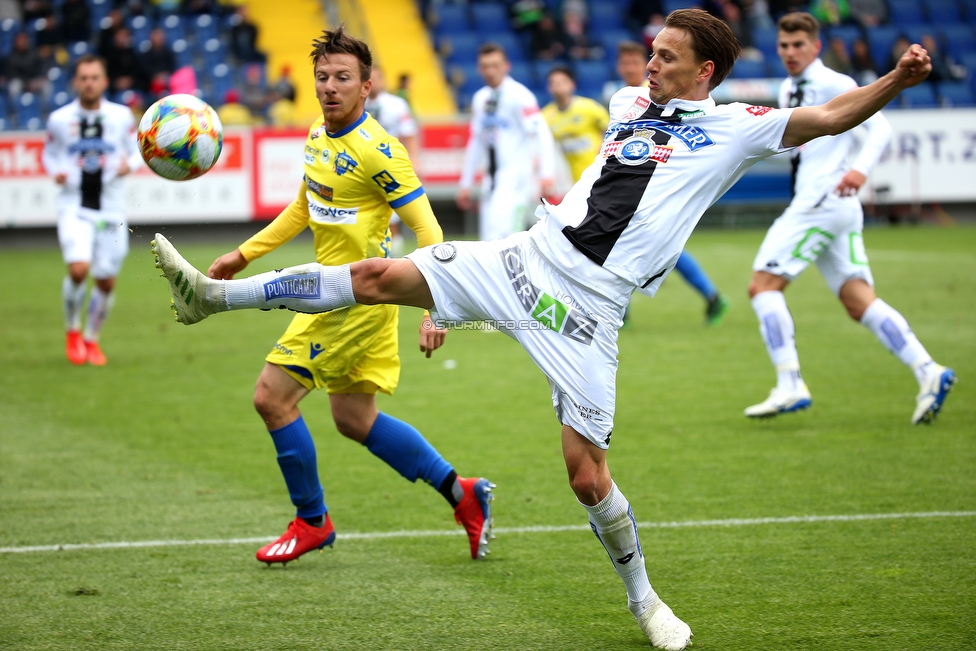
point(578, 124)
point(355, 175)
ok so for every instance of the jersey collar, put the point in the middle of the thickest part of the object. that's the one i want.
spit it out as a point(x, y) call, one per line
point(678, 104)
point(815, 66)
point(342, 132)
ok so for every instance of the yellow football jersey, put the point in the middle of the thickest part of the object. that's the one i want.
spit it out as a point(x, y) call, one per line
point(578, 130)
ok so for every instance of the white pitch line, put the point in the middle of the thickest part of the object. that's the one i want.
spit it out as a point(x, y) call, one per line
point(730, 522)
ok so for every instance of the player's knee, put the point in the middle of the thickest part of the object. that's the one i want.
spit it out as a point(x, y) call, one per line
point(855, 311)
point(585, 482)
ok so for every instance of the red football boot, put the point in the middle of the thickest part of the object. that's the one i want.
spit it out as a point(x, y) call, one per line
point(474, 514)
point(300, 538)
point(74, 348)
point(95, 355)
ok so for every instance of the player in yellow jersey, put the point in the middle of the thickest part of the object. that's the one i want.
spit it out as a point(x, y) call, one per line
point(355, 174)
point(578, 124)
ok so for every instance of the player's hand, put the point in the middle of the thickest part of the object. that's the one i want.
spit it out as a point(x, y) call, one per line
point(850, 184)
point(60, 178)
point(913, 66)
point(431, 338)
point(224, 267)
point(463, 199)
point(123, 168)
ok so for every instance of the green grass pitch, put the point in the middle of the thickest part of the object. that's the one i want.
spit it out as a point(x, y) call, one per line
point(163, 445)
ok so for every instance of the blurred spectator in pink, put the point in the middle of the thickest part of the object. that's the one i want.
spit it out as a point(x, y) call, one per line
point(183, 80)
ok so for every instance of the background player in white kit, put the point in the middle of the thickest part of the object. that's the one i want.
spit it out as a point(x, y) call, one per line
point(393, 113)
point(823, 225)
point(91, 146)
point(508, 136)
point(669, 154)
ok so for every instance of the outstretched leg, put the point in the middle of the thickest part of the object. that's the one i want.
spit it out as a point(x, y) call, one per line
point(612, 521)
point(716, 304)
point(309, 288)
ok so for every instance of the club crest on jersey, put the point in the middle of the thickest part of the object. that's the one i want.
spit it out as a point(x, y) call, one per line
point(344, 163)
point(693, 137)
point(444, 252)
point(638, 150)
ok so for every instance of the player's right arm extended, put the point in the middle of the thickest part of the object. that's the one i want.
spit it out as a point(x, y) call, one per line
point(846, 111)
point(419, 216)
point(289, 223)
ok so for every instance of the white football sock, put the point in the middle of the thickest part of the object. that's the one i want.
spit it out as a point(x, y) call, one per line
point(613, 523)
point(779, 335)
point(72, 298)
point(894, 333)
point(99, 305)
point(309, 288)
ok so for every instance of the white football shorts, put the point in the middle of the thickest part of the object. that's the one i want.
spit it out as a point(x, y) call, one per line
point(829, 235)
point(100, 239)
point(568, 331)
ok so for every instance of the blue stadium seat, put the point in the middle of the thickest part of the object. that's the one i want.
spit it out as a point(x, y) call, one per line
point(541, 70)
point(905, 12)
point(28, 110)
point(58, 78)
point(610, 39)
point(592, 73)
point(958, 39)
point(140, 26)
point(205, 28)
point(916, 32)
point(605, 16)
point(969, 9)
point(956, 93)
point(522, 72)
point(59, 99)
point(99, 9)
point(673, 5)
point(461, 47)
point(490, 17)
point(591, 90)
point(8, 29)
point(182, 53)
point(880, 40)
point(452, 19)
point(775, 68)
point(76, 50)
point(765, 40)
point(921, 96)
point(221, 81)
point(174, 28)
point(507, 39)
point(943, 12)
point(849, 33)
point(213, 52)
point(747, 69)
point(3, 111)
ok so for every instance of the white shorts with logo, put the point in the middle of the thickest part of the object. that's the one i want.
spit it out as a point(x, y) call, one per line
point(100, 239)
point(829, 236)
point(568, 331)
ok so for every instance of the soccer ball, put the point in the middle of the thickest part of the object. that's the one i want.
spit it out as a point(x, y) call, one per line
point(180, 137)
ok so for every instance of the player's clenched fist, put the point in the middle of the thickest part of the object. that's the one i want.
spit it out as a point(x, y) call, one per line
point(914, 65)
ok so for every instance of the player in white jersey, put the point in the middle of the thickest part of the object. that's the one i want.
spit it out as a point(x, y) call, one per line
point(91, 146)
point(393, 113)
point(561, 288)
point(823, 225)
point(508, 137)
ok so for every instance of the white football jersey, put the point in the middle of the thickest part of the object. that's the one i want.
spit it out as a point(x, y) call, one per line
point(393, 114)
point(508, 134)
point(623, 225)
point(88, 146)
point(819, 165)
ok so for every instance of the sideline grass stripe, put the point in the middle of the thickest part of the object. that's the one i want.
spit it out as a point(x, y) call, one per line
point(730, 522)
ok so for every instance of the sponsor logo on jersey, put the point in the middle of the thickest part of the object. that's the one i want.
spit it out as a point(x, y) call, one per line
point(323, 191)
point(758, 110)
point(637, 150)
point(444, 252)
point(315, 350)
point(294, 286)
point(344, 163)
point(386, 181)
point(693, 137)
point(529, 111)
point(318, 132)
point(384, 148)
point(282, 349)
point(309, 158)
point(330, 214)
point(325, 157)
point(636, 109)
point(314, 151)
point(364, 133)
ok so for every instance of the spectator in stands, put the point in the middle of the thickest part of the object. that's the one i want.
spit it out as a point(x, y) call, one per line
point(526, 15)
point(577, 7)
point(232, 113)
point(631, 68)
point(124, 68)
point(640, 12)
point(900, 46)
point(580, 46)
point(158, 62)
point(106, 35)
point(837, 57)
point(198, 7)
point(34, 9)
point(254, 93)
point(25, 71)
point(831, 12)
point(757, 14)
point(943, 68)
point(244, 38)
point(75, 21)
point(49, 33)
point(869, 13)
point(549, 41)
point(730, 12)
point(862, 63)
point(650, 31)
point(283, 87)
